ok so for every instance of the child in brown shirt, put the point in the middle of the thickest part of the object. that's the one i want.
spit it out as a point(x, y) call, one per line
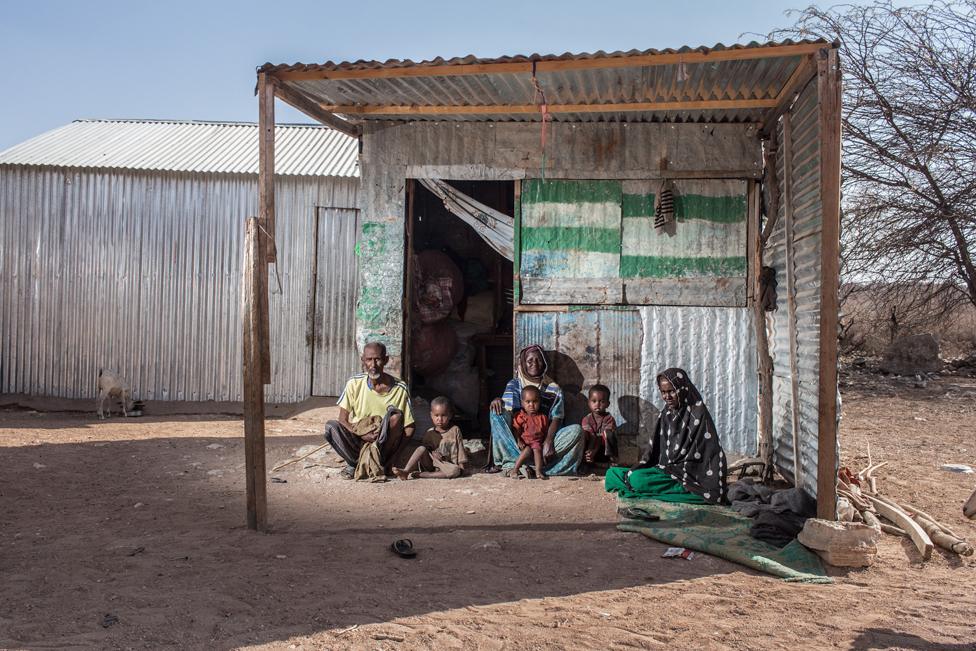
point(441, 453)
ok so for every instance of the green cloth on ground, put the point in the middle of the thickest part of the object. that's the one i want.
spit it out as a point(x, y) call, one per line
point(721, 532)
point(650, 483)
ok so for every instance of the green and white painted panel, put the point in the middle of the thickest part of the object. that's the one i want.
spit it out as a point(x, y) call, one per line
point(594, 242)
point(569, 242)
point(700, 259)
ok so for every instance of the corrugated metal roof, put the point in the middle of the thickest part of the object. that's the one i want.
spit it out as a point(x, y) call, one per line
point(214, 147)
point(737, 83)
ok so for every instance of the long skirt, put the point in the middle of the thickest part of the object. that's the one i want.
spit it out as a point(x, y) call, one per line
point(568, 442)
point(651, 483)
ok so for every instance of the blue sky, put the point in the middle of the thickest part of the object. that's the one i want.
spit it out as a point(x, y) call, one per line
point(196, 60)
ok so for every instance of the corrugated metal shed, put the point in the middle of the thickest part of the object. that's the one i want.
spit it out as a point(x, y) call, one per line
point(737, 83)
point(209, 147)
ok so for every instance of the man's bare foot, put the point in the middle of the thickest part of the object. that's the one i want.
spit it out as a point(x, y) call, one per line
point(401, 474)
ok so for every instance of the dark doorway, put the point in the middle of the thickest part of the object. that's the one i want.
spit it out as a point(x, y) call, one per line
point(459, 306)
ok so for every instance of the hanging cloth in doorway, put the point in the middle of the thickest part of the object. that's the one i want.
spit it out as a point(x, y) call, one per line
point(495, 228)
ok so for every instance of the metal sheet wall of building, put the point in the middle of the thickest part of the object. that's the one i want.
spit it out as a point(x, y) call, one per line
point(140, 272)
point(807, 220)
point(626, 349)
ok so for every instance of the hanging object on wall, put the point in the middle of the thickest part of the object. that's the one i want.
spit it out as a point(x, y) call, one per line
point(495, 228)
point(664, 204)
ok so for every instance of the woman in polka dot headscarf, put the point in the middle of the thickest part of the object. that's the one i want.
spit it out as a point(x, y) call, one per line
point(685, 462)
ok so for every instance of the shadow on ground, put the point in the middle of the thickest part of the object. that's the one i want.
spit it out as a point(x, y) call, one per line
point(150, 531)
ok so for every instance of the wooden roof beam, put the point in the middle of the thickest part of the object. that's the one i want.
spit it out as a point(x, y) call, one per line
point(805, 71)
point(311, 108)
point(634, 61)
point(504, 109)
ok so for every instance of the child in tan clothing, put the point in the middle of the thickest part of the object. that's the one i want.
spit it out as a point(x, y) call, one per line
point(441, 453)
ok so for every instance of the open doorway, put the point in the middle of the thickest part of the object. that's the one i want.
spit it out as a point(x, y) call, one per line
point(459, 310)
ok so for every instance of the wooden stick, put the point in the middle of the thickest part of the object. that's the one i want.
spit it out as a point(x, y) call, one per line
point(257, 502)
point(304, 456)
point(893, 530)
point(893, 513)
point(942, 539)
point(918, 512)
point(871, 519)
point(531, 109)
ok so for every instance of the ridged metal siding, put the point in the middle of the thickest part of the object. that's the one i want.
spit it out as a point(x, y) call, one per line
point(808, 218)
point(626, 349)
point(140, 272)
point(206, 147)
point(394, 152)
point(759, 78)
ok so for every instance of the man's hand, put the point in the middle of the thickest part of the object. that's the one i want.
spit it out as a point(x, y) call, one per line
point(496, 406)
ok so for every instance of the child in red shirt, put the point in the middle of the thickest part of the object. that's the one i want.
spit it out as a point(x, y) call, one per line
point(530, 427)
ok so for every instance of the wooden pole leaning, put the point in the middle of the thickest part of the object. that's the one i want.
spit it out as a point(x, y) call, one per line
point(254, 286)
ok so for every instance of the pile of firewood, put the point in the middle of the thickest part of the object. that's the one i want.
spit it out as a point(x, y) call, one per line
point(897, 518)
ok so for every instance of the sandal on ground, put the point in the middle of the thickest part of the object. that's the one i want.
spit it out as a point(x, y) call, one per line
point(491, 469)
point(637, 513)
point(403, 548)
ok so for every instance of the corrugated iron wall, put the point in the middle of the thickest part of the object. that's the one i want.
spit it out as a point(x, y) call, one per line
point(394, 152)
point(140, 272)
point(804, 196)
point(626, 349)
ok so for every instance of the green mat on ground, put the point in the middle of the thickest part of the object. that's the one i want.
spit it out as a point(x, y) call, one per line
point(721, 532)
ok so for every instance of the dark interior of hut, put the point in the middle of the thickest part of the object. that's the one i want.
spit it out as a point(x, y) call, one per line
point(460, 313)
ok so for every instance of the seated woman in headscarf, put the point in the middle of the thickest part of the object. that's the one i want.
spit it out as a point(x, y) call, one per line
point(685, 462)
point(563, 446)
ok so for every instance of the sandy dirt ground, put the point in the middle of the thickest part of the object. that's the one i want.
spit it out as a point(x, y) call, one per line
point(142, 519)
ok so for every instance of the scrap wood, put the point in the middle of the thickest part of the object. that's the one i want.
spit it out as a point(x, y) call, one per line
point(942, 539)
point(911, 510)
point(894, 513)
point(291, 461)
point(893, 530)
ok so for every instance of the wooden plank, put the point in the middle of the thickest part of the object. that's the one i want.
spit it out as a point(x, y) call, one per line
point(254, 454)
point(829, 95)
point(894, 513)
point(266, 154)
point(309, 107)
point(763, 357)
point(525, 67)
point(407, 373)
point(791, 295)
point(521, 109)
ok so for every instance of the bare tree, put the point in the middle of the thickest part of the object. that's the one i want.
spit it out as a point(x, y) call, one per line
point(909, 130)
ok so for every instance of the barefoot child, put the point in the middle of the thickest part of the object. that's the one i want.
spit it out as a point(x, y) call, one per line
point(441, 453)
point(599, 427)
point(530, 427)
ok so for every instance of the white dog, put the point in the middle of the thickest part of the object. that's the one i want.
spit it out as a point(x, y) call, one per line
point(110, 385)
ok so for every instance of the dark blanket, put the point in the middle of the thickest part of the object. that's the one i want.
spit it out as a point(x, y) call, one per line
point(778, 515)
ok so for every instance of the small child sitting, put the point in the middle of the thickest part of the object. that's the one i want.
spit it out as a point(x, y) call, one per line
point(599, 427)
point(441, 453)
point(530, 427)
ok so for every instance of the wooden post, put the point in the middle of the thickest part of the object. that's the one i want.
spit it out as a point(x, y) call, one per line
point(266, 207)
point(765, 361)
point(254, 286)
point(829, 99)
